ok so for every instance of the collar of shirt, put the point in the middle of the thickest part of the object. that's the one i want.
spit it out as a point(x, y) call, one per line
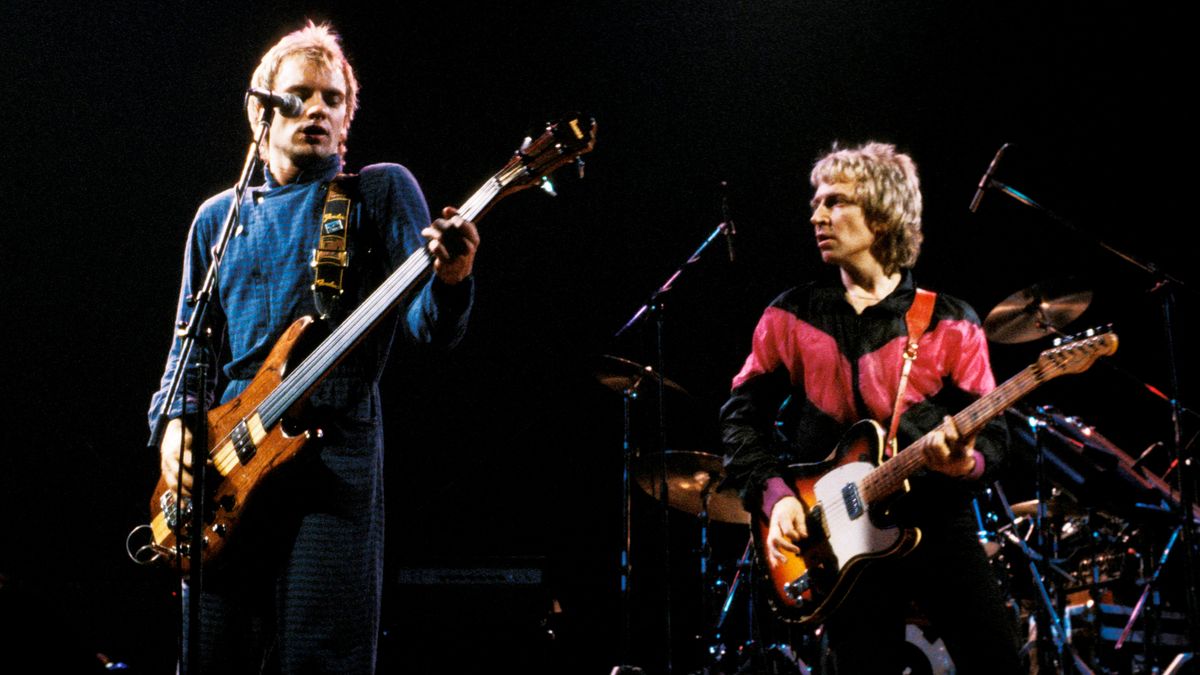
point(323, 171)
point(896, 303)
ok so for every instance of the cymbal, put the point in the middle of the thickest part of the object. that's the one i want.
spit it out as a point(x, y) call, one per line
point(621, 375)
point(1035, 312)
point(1057, 506)
point(690, 476)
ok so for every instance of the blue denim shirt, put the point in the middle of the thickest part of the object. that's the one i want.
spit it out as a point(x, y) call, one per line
point(265, 281)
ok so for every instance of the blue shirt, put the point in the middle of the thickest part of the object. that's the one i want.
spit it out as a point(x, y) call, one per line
point(265, 280)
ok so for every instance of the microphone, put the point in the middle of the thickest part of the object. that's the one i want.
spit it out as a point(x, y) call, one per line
point(289, 105)
point(987, 178)
point(727, 226)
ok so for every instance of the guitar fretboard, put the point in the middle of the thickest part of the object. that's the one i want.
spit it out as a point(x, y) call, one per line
point(888, 478)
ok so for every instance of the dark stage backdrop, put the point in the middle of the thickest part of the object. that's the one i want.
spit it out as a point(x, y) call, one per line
point(121, 118)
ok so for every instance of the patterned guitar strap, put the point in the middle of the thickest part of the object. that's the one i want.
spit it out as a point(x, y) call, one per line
point(918, 317)
point(330, 259)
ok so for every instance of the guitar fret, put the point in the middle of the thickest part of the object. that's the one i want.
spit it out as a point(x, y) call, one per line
point(888, 477)
point(816, 602)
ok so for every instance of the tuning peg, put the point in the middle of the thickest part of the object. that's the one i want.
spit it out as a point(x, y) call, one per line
point(548, 187)
point(579, 165)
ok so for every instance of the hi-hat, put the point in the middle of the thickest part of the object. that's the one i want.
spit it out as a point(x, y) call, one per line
point(623, 375)
point(1036, 312)
point(691, 477)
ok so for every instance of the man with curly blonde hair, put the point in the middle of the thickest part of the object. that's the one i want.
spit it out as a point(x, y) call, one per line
point(303, 593)
point(832, 350)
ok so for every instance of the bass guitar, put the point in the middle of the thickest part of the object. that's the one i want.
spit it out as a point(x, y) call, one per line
point(840, 493)
point(250, 436)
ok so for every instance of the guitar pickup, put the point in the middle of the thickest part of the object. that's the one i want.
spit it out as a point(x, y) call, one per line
point(850, 496)
point(243, 444)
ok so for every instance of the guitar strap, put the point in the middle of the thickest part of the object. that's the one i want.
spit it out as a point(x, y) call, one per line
point(330, 259)
point(918, 317)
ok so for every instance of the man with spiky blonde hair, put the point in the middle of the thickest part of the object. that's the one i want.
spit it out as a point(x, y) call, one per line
point(318, 44)
point(832, 350)
point(303, 593)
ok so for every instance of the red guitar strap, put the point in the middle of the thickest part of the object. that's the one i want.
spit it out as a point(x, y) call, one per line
point(918, 317)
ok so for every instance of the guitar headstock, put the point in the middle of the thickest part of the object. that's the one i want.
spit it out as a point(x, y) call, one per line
point(1077, 353)
point(563, 142)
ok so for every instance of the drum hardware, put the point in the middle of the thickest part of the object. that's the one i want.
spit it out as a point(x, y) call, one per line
point(1166, 288)
point(629, 378)
point(652, 311)
point(1098, 552)
point(1052, 649)
point(925, 656)
point(1141, 603)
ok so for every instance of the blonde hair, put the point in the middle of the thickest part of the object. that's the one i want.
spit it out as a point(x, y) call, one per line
point(888, 190)
point(317, 43)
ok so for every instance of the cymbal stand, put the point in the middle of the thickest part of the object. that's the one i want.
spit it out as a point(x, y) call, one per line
point(654, 307)
point(1051, 634)
point(1146, 590)
point(1166, 286)
point(710, 587)
point(627, 397)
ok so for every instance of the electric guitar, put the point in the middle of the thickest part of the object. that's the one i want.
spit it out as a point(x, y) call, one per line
point(839, 493)
point(251, 436)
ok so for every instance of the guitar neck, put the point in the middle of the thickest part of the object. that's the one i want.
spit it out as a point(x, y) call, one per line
point(401, 284)
point(889, 477)
point(561, 143)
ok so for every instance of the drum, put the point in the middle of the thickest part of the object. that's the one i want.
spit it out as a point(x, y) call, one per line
point(923, 656)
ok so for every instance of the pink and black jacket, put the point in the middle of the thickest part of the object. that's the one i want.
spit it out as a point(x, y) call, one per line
point(815, 368)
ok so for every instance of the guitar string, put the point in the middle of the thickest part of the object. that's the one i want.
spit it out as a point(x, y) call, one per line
point(887, 477)
point(360, 321)
point(393, 289)
point(835, 514)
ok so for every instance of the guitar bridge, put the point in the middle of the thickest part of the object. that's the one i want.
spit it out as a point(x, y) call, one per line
point(174, 513)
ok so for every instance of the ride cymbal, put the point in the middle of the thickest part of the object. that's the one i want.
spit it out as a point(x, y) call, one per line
point(1036, 312)
point(622, 375)
point(691, 476)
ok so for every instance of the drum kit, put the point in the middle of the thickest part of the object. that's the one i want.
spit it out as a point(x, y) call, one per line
point(1083, 559)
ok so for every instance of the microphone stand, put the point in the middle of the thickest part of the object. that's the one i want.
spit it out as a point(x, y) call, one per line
point(654, 307)
point(1165, 285)
point(189, 332)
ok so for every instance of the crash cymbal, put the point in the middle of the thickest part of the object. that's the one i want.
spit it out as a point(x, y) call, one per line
point(621, 375)
point(690, 476)
point(1035, 312)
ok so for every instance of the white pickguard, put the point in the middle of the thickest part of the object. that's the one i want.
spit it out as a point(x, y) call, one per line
point(850, 537)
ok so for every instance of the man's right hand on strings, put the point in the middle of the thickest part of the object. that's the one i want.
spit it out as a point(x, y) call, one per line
point(169, 456)
point(787, 529)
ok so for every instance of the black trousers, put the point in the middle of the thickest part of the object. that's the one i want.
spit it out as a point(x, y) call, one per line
point(951, 584)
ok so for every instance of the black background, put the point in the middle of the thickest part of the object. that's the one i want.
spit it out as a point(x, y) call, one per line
point(119, 120)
